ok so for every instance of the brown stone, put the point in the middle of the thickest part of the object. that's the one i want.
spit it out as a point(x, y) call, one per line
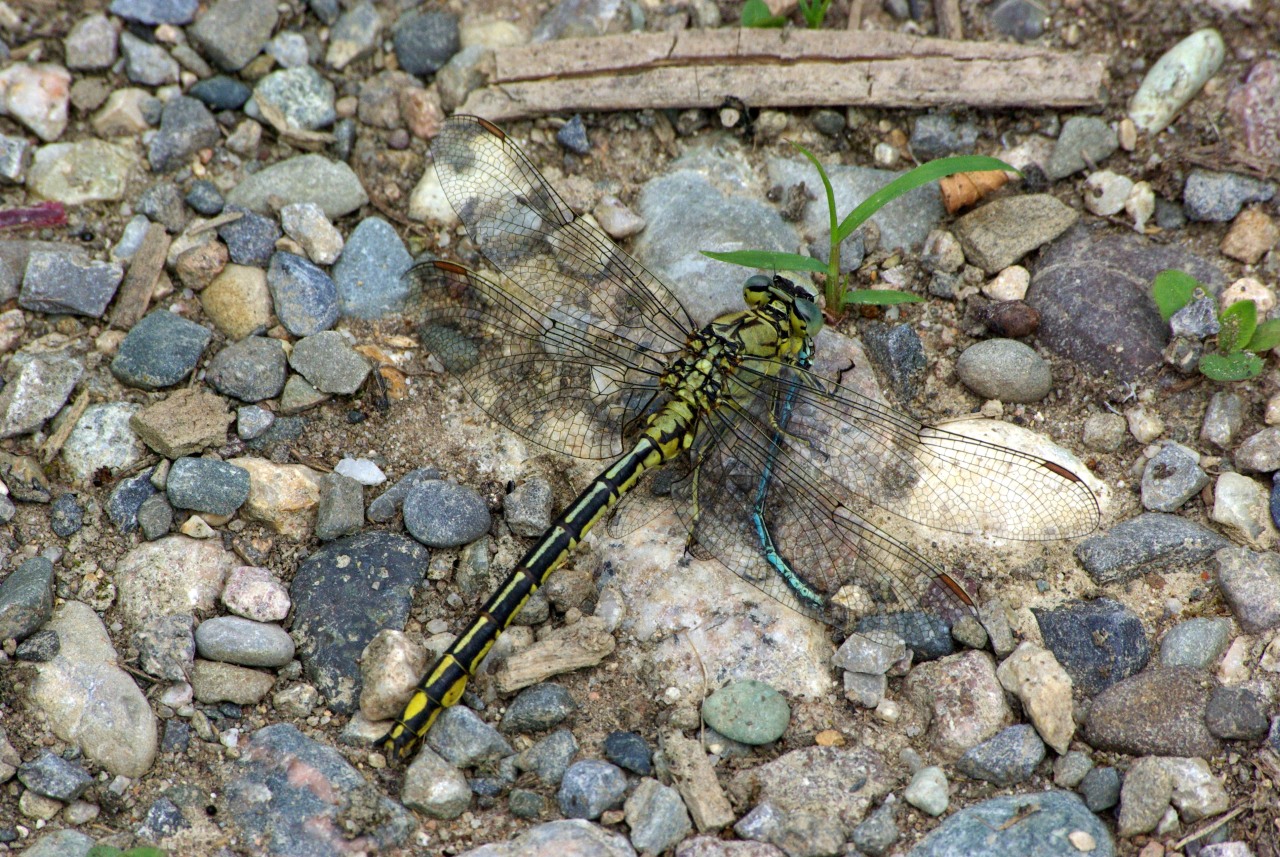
point(1251, 236)
point(184, 424)
point(1159, 712)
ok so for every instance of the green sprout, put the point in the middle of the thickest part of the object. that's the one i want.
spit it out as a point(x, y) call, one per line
point(835, 293)
point(755, 13)
point(1241, 338)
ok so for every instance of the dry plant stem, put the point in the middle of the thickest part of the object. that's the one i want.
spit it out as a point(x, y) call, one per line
point(781, 68)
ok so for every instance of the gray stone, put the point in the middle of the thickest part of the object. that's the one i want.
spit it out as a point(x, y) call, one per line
point(329, 363)
point(1223, 419)
point(528, 508)
point(302, 96)
point(147, 64)
point(341, 509)
point(1028, 824)
point(1000, 233)
point(306, 299)
point(538, 708)
point(425, 40)
point(235, 640)
point(1100, 788)
point(370, 273)
point(1197, 642)
point(444, 515)
point(435, 788)
point(1005, 369)
point(58, 283)
point(462, 738)
point(207, 485)
point(332, 185)
point(251, 370)
point(37, 388)
point(1084, 140)
point(102, 437)
point(1260, 453)
point(589, 788)
point(1007, 759)
point(186, 127)
point(1219, 196)
point(1133, 547)
point(159, 351)
point(354, 35)
point(92, 42)
point(550, 757)
point(750, 712)
point(232, 32)
point(1172, 477)
point(155, 11)
point(656, 817)
point(26, 599)
point(385, 505)
point(1250, 584)
point(251, 240)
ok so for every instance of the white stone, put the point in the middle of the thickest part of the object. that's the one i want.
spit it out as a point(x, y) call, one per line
point(1144, 425)
point(1175, 79)
point(1242, 505)
point(428, 202)
point(1043, 687)
point(37, 96)
point(928, 791)
point(1105, 192)
point(1248, 288)
point(1140, 204)
point(362, 470)
point(1009, 285)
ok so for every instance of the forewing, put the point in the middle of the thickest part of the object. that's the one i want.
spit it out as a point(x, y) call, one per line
point(560, 261)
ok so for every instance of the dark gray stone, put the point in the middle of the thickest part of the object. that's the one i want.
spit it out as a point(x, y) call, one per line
point(329, 363)
point(251, 370)
point(1159, 712)
point(538, 708)
point(186, 127)
point(1237, 714)
point(1219, 196)
point(1101, 788)
point(1008, 758)
point(205, 198)
point(341, 509)
point(52, 776)
point(58, 283)
point(1027, 824)
point(306, 300)
point(425, 40)
point(1097, 642)
point(67, 515)
point(589, 788)
point(251, 240)
point(445, 515)
point(1023, 20)
point(207, 485)
point(937, 135)
point(160, 350)
point(385, 505)
point(127, 498)
point(1148, 542)
point(899, 356)
point(26, 598)
point(463, 739)
point(572, 136)
point(162, 204)
point(550, 757)
point(630, 751)
point(221, 93)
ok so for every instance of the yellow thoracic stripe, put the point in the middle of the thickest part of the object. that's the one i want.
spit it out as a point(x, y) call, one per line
point(697, 381)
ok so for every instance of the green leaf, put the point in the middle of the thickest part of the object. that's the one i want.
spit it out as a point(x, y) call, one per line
point(104, 851)
point(1266, 337)
point(1238, 321)
point(921, 175)
point(880, 297)
point(814, 12)
point(755, 13)
point(768, 260)
point(1240, 366)
point(1172, 291)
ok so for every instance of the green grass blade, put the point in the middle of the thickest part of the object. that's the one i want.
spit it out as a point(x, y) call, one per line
point(768, 260)
point(921, 175)
point(880, 297)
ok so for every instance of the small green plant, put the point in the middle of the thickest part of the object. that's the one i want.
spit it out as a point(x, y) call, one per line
point(755, 13)
point(136, 851)
point(835, 293)
point(1240, 337)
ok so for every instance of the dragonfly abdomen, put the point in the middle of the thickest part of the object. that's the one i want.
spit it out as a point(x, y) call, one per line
point(444, 683)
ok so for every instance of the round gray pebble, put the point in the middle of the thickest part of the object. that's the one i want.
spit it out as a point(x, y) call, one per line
point(589, 788)
point(207, 485)
point(250, 370)
point(1005, 369)
point(445, 515)
point(538, 708)
point(306, 300)
point(236, 640)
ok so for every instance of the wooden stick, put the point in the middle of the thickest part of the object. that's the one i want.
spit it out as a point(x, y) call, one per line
point(781, 68)
point(144, 269)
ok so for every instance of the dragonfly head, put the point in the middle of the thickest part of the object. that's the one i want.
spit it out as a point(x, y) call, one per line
point(805, 314)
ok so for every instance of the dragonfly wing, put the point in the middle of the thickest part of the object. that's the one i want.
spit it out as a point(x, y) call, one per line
point(555, 380)
point(925, 474)
point(526, 230)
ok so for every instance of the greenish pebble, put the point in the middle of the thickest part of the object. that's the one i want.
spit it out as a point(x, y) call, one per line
point(526, 804)
point(748, 711)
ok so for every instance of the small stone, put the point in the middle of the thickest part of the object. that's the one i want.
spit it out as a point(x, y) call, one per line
point(1005, 369)
point(305, 222)
point(1008, 758)
point(61, 283)
point(207, 485)
point(424, 40)
point(1140, 205)
point(1223, 419)
point(572, 136)
point(238, 300)
point(750, 712)
point(332, 185)
point(306, 299)
point(159, 351)
point(1083, 140)
point(1144, 424)
point(186, 126)
point(1175, 78)
point(630, 751)
point(301, 97)
point(1044, 689)
point(205, 198)
point(1243, 506)
point(155, 11)
point(1097, 642)
point(251, 240)
point(1105, 192)
point(656, 816)
point(353, 36)
point(341, 509)
point(101, 438)
point(617, 220)
point(1249, 289)
point(442, 514)
point(1237, 714)
point(435, 788)
point(199, 266)
point(1159, 711)
point(147, 64)
point(1252, 235)
point(329, 363)
point(82, 172)
point(235, 640)
point(1009, 285)
point(538, 708)
point(1001, 232)
point(221, 92)
point(1100, 788)
point(1195, 642)
point(232, 32)
point(91, 44)
point(1104, 432)
point(370, 274)
point(255, 594)
point(927, 791)
point(1172, 477)
point(1070, 769)
point(1219, 196)
point(589, 788)
point(1250, 584)
point(39, 384)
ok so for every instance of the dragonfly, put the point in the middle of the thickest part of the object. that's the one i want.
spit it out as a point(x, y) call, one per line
point(781, 474)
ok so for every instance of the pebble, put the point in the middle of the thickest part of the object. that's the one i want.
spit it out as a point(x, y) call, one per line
point(306, 299)
point(126, 498)
point(1249, 288)
point(306, 223)
point(964, 699)
point(550, 757)
point(444, 514)
point(936, 135)
point(66, 515)
point(1005, 369)
point(60, 843)
point(528, 508)
point(79, 173)
point(289, 49)
point(1097, 642)
point(332, 185)
point(463, 739)
point(167, 647)
point(238, 301)
point(370, 273)
point(1197, 793)
point(52, 776)
point(254, 593)
point(155, 11)
point(1260, 452)
point(1252, 235)
point(329, 363)
point(629, 751)
point(1044, 689)
point(1069, 770)
point(332, 623)
point(102, 438)
point(205, 198)
point(1255, 107)
point(147, 64)
point(361, 470)
point(185, 423)
point(1008, 285)
point(1145, 424)
point(271, 807)
point(1151, 540)
point(927, 791)
point(84, 677)
point(354, 35)
point(236, 640)
point(1019, 19)
point(616, 219)
point(232, 32)
point(159, 351)
point(1237, 714)
point(899, 355)
point(656, 816)
point(1100, 788)
point(250, 370)
point(435, 788)
point(58, 283)
point(91, 44)
point(1159, 711)
point(425, 40)
point(749, 712)
point(26, 598)
point(572, 137)
point(1172, 477)
point(1219, 196)
point(299, 396)
point(1104, 432)
point(538, 708)
point(186, 127)
point(253, 422)
point(341, 509)
point(1083, 140)
point(221, 92)
point(251, 240)
point(1245, 576)
point(1008, 758)
point(1026, 822)
point(1175, 78)
point(1243, 507)
point(1197, 642)
point(162, 203)
point(873, 653)
point(1144, 799)
point(1001, 232)
point(38, 385)
point(207, 485)
point(301, 96)
point(589, 788)
point(1223, 419)
point(1105, 192)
